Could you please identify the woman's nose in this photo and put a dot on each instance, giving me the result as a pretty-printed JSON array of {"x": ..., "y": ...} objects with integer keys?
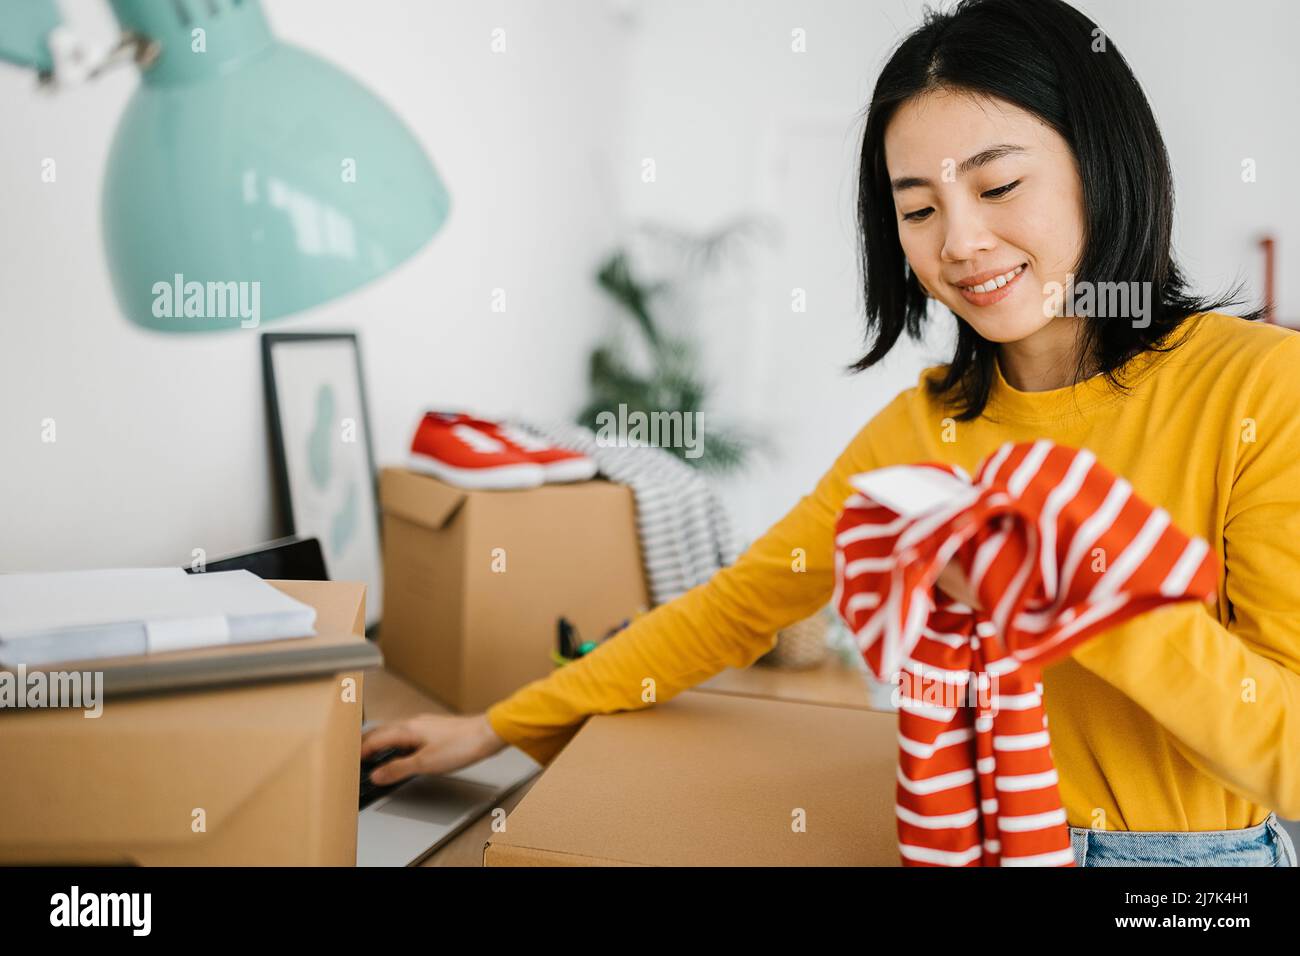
[{"x": 965, "y": 237}]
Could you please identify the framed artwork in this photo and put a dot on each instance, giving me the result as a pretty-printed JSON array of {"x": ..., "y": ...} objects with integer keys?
[{"x": 324, "y": 465}]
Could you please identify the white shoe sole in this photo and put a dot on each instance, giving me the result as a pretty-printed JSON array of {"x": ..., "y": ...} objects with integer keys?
[
  {"x": 500, "y": 478},
  {"x": 572, "y": 469}
]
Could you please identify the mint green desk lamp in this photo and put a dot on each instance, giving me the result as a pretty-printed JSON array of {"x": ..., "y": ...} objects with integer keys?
[{"x": 241, "y": 163}]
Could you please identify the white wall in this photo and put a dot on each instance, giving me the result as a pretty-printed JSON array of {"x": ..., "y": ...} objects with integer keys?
[
  {"x": 161, "y": 441},
  {"x": 738, "y": 123},
  {"x": 1224, "y": 83}
]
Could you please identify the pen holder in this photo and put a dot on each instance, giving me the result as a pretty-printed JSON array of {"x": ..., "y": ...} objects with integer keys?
[{"x": 568, "y": 639}]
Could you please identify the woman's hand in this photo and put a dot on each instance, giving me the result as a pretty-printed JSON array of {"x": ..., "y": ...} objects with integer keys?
[
  {"x": 441, "y": 743},
  {"x": 952, "y": 581}
]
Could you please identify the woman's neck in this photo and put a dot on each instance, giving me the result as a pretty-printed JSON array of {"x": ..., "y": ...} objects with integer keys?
[{"x": 1045, "y": 360}]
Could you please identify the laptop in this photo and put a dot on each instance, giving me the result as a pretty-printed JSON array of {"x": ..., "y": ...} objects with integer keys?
[
  {"x": 408, "y": 823},
  {"x": 293, "y": 558}
]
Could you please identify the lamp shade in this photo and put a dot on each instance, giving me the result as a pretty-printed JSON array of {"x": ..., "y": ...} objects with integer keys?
[{"x": 249, "y": 180}]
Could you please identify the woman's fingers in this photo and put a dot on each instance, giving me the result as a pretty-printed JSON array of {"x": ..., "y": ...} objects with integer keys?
[
  {"x": 395, "y": 770},
  {"x": 436, "y": 743},
  {"x": 399, "y": 734}
]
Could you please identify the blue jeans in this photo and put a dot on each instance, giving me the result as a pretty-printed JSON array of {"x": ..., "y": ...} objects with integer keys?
[{"x": 1265, "y": 844}]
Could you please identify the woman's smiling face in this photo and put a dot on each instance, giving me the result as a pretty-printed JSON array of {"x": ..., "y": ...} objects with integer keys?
[{"x": 987, "y": 196}]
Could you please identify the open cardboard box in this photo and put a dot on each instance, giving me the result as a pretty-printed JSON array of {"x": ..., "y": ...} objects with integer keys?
[
  {"x": 475, "y": 581},
  {"x": 710, "y": 779},
  {"x": 268, "y": 767}
]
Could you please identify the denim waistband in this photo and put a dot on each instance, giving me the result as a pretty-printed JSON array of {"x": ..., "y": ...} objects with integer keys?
[{"x": 1265, "y": 844}]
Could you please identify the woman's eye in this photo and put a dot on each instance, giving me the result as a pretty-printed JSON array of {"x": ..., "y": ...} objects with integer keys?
[
  {"x": 922, "y": 214},
  {"x": 1001, "y": 190}
]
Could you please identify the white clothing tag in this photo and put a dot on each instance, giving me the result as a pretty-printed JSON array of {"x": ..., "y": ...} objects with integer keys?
[{"x": 911, "y": 491}]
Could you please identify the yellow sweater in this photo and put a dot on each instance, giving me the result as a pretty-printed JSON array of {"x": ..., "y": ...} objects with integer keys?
[{"x": 1184, "y": 718}]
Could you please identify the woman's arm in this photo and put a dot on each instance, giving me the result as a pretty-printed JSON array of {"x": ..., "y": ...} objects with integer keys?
[
  {"x": 1230, "y": 696},
  {"x": 729, "y": 621}
]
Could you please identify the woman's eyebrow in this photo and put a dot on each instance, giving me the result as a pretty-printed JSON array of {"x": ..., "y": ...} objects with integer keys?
[{"x": 982, "y": 158}]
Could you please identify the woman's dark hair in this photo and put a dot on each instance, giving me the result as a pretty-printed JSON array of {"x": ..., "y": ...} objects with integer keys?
[{"x": 1048, "y": 59}]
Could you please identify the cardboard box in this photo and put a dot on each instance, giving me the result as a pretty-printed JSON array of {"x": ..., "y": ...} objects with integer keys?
[
  {"x": 474, "y": 581},
  {"x": 272, "y": 765},
  {"x": 710, "y": 779}
]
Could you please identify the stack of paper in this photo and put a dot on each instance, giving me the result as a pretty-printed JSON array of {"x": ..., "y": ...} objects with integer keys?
[{"x": 83, "y": 615}]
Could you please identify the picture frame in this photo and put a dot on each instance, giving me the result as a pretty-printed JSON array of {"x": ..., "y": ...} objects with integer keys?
[{"x": 323, "y": 459}]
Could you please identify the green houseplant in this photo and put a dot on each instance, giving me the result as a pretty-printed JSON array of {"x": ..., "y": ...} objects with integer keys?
[{"x": 658, "y": 373}]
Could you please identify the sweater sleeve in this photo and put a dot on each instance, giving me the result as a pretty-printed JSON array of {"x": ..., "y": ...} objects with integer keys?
[
  {"x": 730, "y": 621},
  {"x": 1230, "y": 696}
]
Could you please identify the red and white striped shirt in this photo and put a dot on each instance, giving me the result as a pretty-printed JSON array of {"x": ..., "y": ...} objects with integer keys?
[{"x": 1057, "y": 549}]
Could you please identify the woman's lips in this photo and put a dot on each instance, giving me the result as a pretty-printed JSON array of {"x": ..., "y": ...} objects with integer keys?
[{"x": 997, "y": 295}]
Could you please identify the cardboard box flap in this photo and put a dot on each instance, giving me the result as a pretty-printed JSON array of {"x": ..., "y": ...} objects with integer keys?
[
  {"x": 340, "y": 605},
  {"x": 419, "y": 498}
]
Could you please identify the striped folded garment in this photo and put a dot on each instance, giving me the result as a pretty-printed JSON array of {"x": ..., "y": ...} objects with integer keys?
[{"x": 1056, "y": 549}]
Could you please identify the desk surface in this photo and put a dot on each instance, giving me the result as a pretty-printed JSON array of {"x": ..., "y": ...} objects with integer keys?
[{"x": 389, "y": 697}]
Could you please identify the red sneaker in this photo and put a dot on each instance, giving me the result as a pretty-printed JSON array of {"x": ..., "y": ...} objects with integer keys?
[
  {"x": 558, "y": 464},
  {"x": 449, "y": 446}
]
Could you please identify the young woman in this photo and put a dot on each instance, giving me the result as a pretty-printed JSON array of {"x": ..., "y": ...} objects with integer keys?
[{"x": 1012, "y": 172}]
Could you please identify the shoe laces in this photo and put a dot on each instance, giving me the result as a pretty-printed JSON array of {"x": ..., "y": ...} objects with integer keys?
[
  {"x": 525, "y": 440},
  {"x": 476, "y": 439}
]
